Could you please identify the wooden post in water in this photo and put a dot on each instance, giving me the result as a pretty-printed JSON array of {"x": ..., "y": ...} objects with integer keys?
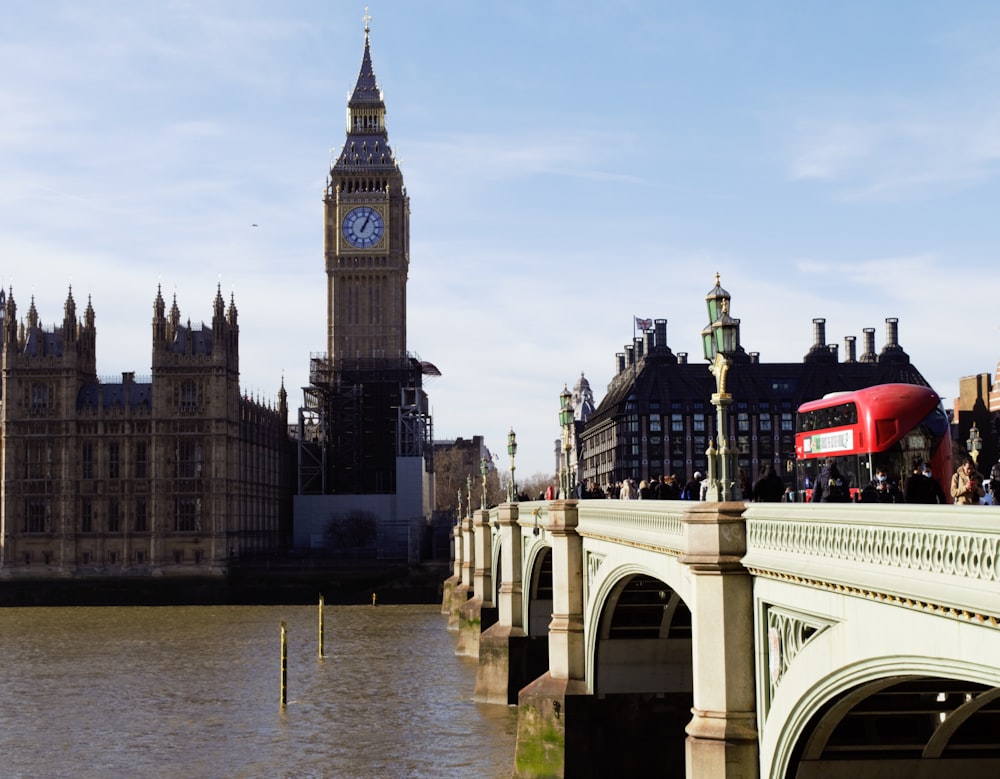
[
  {"x": 284, "y": 664},
  {"x": 321, "y": 626}
]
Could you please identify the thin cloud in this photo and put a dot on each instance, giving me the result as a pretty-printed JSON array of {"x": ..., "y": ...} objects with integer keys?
[
  {"x": 564, "y": 152},
  {"x": 900, "y": 156}
]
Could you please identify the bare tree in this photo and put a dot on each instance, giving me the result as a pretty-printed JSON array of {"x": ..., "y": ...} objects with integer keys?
[
  {"x": 453, "y": 470},
  {"x": 535, "y": 485}
]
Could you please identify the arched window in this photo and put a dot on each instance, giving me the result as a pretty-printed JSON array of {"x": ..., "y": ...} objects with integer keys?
[{"x": 189, "y": 394}]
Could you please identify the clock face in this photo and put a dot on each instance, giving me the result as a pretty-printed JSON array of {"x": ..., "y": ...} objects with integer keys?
[{"x": 363, "y": 227}]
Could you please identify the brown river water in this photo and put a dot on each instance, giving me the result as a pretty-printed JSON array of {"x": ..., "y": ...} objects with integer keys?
[{"x": 196, "y": 692}]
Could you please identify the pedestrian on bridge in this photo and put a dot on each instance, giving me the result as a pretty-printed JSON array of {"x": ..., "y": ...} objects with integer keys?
[
  {"x": 995, "y": 483},
  {"x": 769, "y": 488},
  {"x": 922, "y": 487},
  {"x": 692, "y": 490},
  {"x": 831, "y": 485},
  {"x": 967, "y": 484}
]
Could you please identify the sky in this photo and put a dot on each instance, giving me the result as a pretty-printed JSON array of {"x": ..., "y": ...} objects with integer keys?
[{"x": 570, "y": 166}]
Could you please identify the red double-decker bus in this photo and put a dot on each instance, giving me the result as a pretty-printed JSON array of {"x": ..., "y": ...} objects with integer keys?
[{"x": 887, "y": 427}]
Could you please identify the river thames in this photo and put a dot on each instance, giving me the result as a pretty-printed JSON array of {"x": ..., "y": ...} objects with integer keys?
[{"x": 196, "y": 692}]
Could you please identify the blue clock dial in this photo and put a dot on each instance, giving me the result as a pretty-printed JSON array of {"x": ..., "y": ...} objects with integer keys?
[{"x": 363, "y": 227}]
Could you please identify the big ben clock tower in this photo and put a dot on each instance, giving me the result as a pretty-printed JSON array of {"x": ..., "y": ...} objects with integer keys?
[
  {"x": 367, "y": 233},
  {"x": 365, "y": 429}
]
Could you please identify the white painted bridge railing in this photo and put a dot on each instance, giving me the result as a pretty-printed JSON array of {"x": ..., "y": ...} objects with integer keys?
[{"x": 942, "y": 560}]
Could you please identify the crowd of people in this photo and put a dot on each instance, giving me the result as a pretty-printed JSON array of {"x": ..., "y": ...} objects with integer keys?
[
  {"x": 657, "y": 488},
  {"x": 769, "y": 487},
  {"x": 967, "y": 487}
]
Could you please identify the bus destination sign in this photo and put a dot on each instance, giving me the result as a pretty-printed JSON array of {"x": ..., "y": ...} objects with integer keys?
[{"x": 822, "y": 443}]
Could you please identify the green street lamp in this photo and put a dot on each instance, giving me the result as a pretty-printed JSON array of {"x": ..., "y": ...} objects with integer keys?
[
  {"x": 974, "y": 444},
  {"x": 566, "y": 421},
  {"x": 720, "y": 341},
  {"x": 511, "y": 450}
]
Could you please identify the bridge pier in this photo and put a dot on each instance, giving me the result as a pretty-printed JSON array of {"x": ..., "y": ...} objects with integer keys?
[
  {"x": 722, "y": 735},
  {"x": 553, "y": 721},
  {"x": 463, "y": 588},
  {"x": 456, "y": 577},
  {"x": 479, "y": 611},
  {"x": 506, "y": 653}
]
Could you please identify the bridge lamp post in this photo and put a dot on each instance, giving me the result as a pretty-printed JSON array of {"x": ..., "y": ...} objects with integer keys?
[
  {"x": 720, "y": 340},
  {"x": 483, "y": 469},
  {"x": 511, "y": 450},
  {"x": 566, "y": 420},
  {"x": 974, "y": 444}
]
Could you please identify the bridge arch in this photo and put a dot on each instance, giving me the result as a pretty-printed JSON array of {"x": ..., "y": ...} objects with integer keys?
[
  {"x": 537, "y": 593},
  {"x": 894, "y": 715},
  {"x": 497, "y": 551},
  {"x": 636, "y": 619}
]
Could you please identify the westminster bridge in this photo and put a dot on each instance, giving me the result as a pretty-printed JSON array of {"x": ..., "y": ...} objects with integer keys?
[{"x": 668, "y": 638}]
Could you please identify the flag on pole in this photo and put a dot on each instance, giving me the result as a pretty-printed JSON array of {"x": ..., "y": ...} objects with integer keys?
[{"x": 643, "y": 324}]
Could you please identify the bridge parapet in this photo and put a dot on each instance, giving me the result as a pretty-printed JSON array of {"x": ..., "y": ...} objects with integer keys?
[
  {"x": 652, "y": 525},
  {"x": 944, "y": 561}
]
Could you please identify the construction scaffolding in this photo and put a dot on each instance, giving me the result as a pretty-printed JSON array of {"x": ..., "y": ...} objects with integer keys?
[{"x": 358, "y": 416}]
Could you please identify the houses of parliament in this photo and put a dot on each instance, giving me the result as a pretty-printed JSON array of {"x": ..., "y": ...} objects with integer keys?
[
  {"x": 175, "y": 472},
  {"x": 180, "y": 473}
]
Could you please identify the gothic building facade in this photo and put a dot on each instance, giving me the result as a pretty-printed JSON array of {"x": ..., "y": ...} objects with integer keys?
[
  {"x": 365, "y": 428},
  {"x": 179, "y": 473}
]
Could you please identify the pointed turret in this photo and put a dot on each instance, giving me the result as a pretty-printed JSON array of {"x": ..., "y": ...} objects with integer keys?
[
  {"x": 159, "y": 319},
  {"x": 366, "y": 91},
  {"x": 219, "y": 314},
  {"x": 366, "y": 145},
  {"x": 10, "y": 321},
  {"x": 232, "y": 314},
  {"x": 32, "y": 314},
  {"x": 69, "y": 318},
  {"x": 174, "y": 320},
  {"x": 88, "y": 314}
]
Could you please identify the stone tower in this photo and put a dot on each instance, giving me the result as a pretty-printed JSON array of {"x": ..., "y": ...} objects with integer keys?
[
  {"x": 365, "y": 429},
  {"x": 367, "y": 235}
]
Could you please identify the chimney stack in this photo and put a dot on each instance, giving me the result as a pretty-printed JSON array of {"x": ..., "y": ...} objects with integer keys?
[
  {"x": 660, "y": 328},
  {"x": 868, "y": 355},
  {"x": 819, "y": 333},
  {"x": 892, "y": 332}
]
